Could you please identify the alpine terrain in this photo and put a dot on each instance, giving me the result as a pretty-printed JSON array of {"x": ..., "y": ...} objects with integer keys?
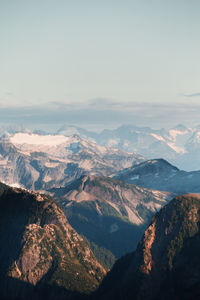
[
  {"x": 41, "y": 256},
  {"x": 39, "y": 162},
  {"x": 111, "y": 214},
  {"x": 166, "y": 263},
  {"x": 179, "y": 145},
  {"x": 161, "y": 175}
]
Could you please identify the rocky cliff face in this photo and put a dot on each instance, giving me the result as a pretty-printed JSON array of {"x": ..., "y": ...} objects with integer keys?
[
  {"x": 134, "y": 203},
  {"x": 39, "y": 162},
  {"x": 109, "y": 212},
  {"x": 39, "y": 247},
  {"x": 166, "y": 263}
]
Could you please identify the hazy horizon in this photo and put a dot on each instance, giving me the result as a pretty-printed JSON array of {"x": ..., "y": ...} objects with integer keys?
[
  {"x": 100, "y": 114},
  {"x": 99, "y": 64}
]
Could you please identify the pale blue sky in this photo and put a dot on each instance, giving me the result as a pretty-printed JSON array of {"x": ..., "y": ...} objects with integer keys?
[{"x": 78, "y": 50}]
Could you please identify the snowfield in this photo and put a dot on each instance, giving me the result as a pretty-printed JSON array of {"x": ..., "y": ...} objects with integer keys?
[{"x": 36, "y": 139}]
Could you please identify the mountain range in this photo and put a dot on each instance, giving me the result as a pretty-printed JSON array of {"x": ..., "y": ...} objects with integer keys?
[
  {"x": 94, "y": 205},
  {"x": 179, "y": 145},
  {"x": 38, "y": 162},
  {"x": 160, "y": 175},
  {"x": 111, "y": 214},
  {"x": 42, "y": 256}
]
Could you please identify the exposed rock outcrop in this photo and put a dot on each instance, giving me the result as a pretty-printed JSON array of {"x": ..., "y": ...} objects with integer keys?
[
  {"x": 108, "y": 212},
  {"x": 39, "y": 247},
  {"x": 166, "y": 263}
]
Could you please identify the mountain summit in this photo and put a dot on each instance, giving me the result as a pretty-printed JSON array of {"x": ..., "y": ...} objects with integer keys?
[
  {"x": 161, "y": 175},
  {"x": 40, "y": 252}
]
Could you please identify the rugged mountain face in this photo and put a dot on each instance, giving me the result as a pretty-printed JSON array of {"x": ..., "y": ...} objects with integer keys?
[
  {"x": 40, "y": 252},
  {"x": 180, "y": 145},
  {"x": 108, "y": 212},
  {"x": 40, "y": 161},
  {"x": 15, "y": 167},
  {"x": 160, "y": 175},
  {"x": 166, "y": 263}
]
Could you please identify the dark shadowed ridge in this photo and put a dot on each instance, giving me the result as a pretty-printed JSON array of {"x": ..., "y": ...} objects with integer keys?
[
  {"x": 41, "y": 256},
  {"x": 159, "y": 174},
  {"x": 166, "y": 263}
]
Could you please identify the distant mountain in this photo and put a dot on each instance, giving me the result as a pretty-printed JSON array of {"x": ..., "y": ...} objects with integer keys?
[
  {"x": 67, "y": 130},
  {"x": 158, "y": 174},
  {"x": 9, "y": 130},
  {"x": 109, "y": 213},
  {"x": 38, "y": 161},
  {"x": 179, "y": 145},
  {"x": 41, "y": 256},
  {"x": 166, "y": 263}
]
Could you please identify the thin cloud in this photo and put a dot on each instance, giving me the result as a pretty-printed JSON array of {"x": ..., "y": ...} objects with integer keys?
[
  {"x": 102, "y": 102},
  {"x": 192, "y": 95},
  {"x": 103, "y": 114}
]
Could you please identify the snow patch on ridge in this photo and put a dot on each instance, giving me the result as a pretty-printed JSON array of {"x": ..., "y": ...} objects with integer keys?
[
  {"x": 36, "y": 139},
  {"x": 173, "y": 133},
  {"x": 158, "y": 137},
  {"x": 176, "y": 149},
  {"x": 113, "y": 142}
]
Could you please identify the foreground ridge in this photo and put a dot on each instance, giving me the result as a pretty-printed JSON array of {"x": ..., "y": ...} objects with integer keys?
[
  {"x": 166, "y": 263},
  {"x": 40, "y": 252}
]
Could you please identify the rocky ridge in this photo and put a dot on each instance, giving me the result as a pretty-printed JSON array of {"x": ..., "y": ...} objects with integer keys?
[
  {"x": 161, "y": 175},
  {"x": 40, "y": 248},
  {"x": 109, "y": 212},
  {"x": 39, "y": 162},
  {"x": 179, "y": 145},
  {"x": 166, "y": 262}
]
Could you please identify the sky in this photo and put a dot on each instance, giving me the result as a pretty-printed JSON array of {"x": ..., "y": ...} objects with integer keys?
[{"x": 99, "y": 63}]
